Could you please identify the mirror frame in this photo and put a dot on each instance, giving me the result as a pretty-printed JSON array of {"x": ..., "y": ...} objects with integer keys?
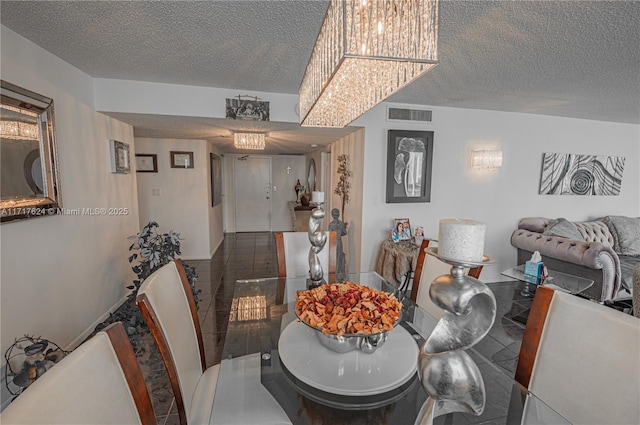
[
  {"x": 50, "y": 201},
  {"x": 312, "y": 167}
]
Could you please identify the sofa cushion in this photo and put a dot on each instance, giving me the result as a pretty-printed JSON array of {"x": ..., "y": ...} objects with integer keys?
[
  {"x": 626, "y": 234},
  {"x": 563, "y": 228},
  {"x": 595, "y": 231}
]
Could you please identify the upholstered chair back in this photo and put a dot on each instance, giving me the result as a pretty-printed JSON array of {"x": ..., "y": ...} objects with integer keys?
[
  {"x": 164, "y": 296},
  {"x": 293, "y": 254},
  {"x": 100, "y": 382},
  {"x": 581, "y": 359}
]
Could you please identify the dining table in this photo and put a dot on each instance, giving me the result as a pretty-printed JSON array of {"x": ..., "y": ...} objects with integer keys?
[{"x": 276, "y": 370}]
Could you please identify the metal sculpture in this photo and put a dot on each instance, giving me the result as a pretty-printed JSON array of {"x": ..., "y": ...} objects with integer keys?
[
  {"x": 448, "y": 374},
  {"x": 318, "y": 240}
]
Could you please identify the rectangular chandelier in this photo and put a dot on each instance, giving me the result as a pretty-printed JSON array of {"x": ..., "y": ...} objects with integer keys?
[
  {"x": 366, "y": 51},
  {"x": 254, "y": 141}
]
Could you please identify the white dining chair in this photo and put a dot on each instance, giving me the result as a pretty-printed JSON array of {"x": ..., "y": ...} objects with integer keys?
[
  {"x": 168, "y": 307},
  {"x": 292, "y": 249},
  {"x": 428, "y": 268},
  {"x": 581, "y": 359},
  {"x": 100, "y": 382}
]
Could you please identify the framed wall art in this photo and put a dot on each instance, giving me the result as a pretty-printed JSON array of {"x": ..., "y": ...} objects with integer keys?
[
  {"x": 216, "y": 179},
  {"x": 409, "y": 158},
  {"x": 119, "y": 157},
  {"x": 146, "y": 163},
  {"x": 247, "y": 108},
  {"x": 575, "y": 174},
  {"x": 181, "y": 159}
]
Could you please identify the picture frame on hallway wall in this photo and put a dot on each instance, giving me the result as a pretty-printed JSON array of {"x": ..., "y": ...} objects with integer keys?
[
  {"x": 180, "y": 159},
  {"x": 119, "y": 157},
  {"x": 216, "y": 179},
  {"x": 409, "y": 166},
  {"x": 146, "y": 163}
]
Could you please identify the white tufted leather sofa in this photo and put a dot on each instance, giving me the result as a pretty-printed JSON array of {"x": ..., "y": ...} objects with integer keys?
[{"x": 593, "y": 258}]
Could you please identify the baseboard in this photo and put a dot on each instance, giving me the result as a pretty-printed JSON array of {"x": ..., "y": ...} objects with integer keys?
[{"x": 92, "y": 327}]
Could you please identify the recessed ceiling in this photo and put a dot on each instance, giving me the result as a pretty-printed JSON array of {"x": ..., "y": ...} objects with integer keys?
[{"x": 576, "y": 59}]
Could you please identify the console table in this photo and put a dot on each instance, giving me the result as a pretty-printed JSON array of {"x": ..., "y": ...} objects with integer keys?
[{"x": 300, "y": 216}]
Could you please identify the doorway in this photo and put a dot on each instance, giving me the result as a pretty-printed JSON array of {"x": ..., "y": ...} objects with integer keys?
[{"x": 252, "y": 193}]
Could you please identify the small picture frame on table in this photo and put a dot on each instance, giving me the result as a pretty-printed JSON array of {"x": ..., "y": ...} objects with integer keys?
[
  {"x": 146, "y": 163},
  {"x": 119, "y": 157},
  {"x": 401, "y": 230},
  {"x": 180, "y": 159}
]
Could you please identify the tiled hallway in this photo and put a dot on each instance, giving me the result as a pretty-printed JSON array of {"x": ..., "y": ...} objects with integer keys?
[{"x": 240, "y": 256}]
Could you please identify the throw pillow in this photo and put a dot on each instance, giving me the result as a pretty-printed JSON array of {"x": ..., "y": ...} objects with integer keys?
[
  {"x": 626, "y": 234},
  {"x": 563, "y": 228}
]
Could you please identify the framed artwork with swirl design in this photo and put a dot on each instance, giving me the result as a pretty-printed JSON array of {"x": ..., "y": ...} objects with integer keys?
[
  {"x": 577, "y": 174},
  {"x": 409, "y": 157}
]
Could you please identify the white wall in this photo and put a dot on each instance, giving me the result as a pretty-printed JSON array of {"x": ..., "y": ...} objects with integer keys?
[
  {"x": 502, "y": 198},
  {"x": 184, "y": 203},
  {"x": 60, "y": 275}
]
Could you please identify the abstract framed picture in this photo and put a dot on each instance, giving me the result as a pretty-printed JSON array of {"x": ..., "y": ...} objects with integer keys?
[
  {"x": 409, "y": 158},
  {"x": 576, "y": 174},
  {"x": 119, "y": 157}
]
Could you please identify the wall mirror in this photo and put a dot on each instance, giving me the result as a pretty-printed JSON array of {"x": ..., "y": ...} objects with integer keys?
[
  {"x": 29, "y": 176},
  {"x": 311, "y": 179}
]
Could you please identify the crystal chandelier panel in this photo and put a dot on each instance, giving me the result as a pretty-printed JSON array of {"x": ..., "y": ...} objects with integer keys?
[
  {"x": 18, "y": 128},
  {"x": 365, "y": 52},
  {"x": 253, "y": 141}
]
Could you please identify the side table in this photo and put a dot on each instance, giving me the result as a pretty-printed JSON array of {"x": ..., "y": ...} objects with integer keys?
[
  {"x": 557, "y": 280},
  {"x": 396, "y": 261}
]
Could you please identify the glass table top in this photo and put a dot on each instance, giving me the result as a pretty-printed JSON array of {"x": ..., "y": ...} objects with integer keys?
[
  {"x": 558, "y": 280},
  {"x": 263, "y": 308}
]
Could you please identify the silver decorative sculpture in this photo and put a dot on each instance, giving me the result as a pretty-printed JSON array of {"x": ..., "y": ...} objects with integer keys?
[
  {"x": 448, "y": 374},
  {"x": 318, "y": 240}
]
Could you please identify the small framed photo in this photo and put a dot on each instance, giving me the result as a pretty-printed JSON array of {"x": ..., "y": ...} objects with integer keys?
[
  {"x": 146, "y": 163},
  {"x": 119, "y": 157},
  {"x": 401, "y": 230},
  {"x": 181, "y": 159}
]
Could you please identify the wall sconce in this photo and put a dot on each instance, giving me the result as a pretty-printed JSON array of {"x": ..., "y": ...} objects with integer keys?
[{"x": 486, "y": 159}]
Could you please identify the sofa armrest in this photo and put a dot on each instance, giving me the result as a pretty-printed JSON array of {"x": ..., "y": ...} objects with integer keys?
[{"x": 593, "y": 255}]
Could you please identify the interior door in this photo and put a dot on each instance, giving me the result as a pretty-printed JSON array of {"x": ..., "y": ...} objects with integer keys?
[{"x": 252, "y": 190}]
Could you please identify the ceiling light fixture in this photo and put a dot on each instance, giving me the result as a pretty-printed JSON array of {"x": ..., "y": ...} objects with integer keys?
[
  {"x": 365, "y": 52},
  {"x": 254, "y": 141},
  {"x": 14, "y": 127}
]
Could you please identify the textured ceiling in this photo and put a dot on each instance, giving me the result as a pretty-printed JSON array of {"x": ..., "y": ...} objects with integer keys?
[{"x": 566, "y": 58}]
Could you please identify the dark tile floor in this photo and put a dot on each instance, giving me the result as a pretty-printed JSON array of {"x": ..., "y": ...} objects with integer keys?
[
  {"x": 240, "y": 256},
  {"x": 253, "y": 255}
]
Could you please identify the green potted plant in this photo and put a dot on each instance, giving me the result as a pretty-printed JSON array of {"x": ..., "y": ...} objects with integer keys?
[{"x": 152, "y": 250}]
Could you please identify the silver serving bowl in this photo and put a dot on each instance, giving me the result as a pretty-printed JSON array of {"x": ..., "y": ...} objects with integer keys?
[{"x": 367, "y": 343}]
